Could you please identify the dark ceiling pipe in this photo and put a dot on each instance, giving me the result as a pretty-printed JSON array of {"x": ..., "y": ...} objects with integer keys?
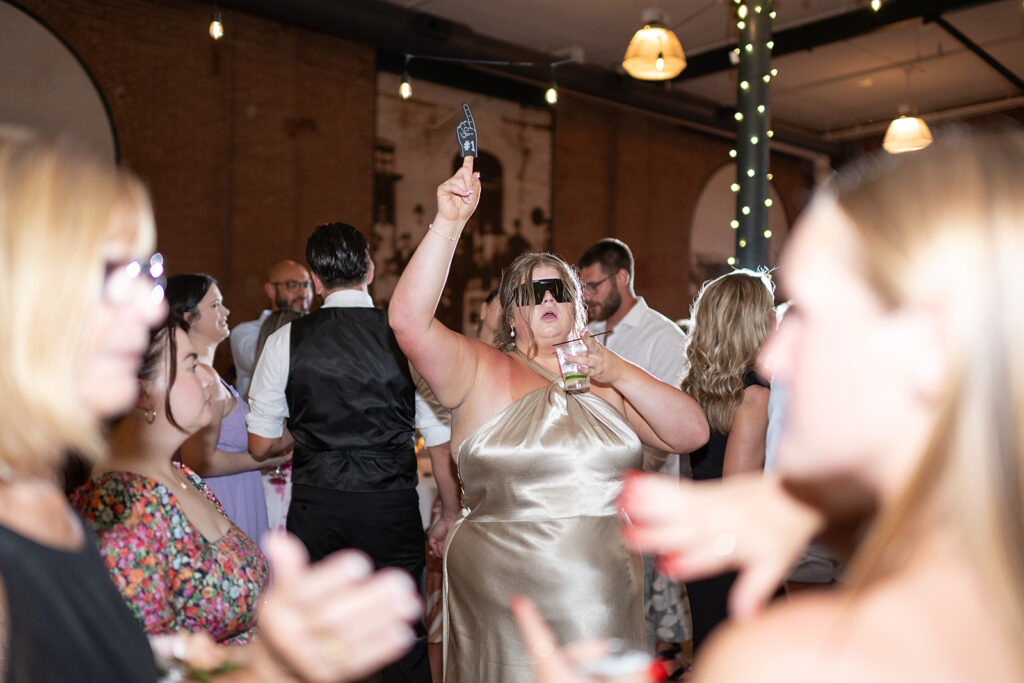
[
  {"x": 399, "y": 31},
  {"x": 980, "y": 51},
  {"x": 831, "y": 30}
]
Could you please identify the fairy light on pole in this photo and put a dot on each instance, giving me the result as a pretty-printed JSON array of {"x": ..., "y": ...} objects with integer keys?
[{"x": 754, "y": 22}]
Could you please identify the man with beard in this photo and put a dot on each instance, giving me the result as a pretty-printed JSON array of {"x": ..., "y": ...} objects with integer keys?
[
  {"x": 645, "y": 337},
  {"x": 289, "y": 288}
]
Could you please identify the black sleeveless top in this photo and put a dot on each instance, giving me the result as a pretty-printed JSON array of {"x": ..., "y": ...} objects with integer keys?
[
  {"x": 708, "y": 460},
  {"x": 65, "y": 619},
  {"x": 351, "y": 403}
]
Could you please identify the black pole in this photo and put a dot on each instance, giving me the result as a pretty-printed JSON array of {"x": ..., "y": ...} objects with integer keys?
[{"x": 753, "y": 18}]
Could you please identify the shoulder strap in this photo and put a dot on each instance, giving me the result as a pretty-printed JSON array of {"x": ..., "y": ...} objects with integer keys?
[{"x": 538, "y": 368}]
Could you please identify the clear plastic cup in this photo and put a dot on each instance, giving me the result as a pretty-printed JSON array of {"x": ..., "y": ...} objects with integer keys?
[{"x": 573, "y": 380}]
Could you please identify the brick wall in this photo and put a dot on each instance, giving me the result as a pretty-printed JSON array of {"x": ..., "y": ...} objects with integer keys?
[
  {"x": 620, "y": 173},
  {"x": 249, "y": 142},
  {"x": 246, "y": 143}
]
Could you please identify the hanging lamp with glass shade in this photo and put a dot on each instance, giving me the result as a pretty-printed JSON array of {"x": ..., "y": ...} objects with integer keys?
[
  {"x": 654, "y": 53},
  {"x": 906, "y": 134}
]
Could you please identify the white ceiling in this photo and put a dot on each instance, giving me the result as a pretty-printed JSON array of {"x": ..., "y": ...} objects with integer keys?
[{"x": 836, "y": 91}]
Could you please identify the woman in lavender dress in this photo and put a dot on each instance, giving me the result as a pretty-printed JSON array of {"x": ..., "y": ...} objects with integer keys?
[{"x": 220, "y": 453}]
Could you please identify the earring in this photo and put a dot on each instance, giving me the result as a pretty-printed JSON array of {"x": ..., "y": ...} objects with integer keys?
[
  {"x": 150, "y": 416},
  {"x": 512, "y": 331}
]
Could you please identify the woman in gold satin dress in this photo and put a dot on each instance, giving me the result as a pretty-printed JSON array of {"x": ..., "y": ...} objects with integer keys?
[{"x": 540, "y": 468}]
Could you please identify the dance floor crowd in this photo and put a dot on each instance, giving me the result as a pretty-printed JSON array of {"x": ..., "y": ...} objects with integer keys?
[{"x": 579, "y": 489}]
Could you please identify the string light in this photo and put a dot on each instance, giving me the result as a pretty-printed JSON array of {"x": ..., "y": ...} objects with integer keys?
[
  {"x": 405, "y": 89},
  {"x": 751, "y": 133},
  {"x": 768, "y": 234},
  {"x": 551, "y": 94},
  {"x": 876, "y": 5},
  {"x": 216, "y": 27}
]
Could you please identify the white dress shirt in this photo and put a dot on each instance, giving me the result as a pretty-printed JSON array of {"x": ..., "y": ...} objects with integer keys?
[
  {"x": 268, "y": 406},
  {"x": 243, "y": 349}
]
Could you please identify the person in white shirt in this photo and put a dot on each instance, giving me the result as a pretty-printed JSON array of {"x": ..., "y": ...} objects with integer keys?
[
  {"x": 647, "y": 338},
  {"x": 288, "y": 287}
]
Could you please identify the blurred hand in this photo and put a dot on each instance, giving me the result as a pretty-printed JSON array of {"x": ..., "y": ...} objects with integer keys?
[
  {"x": 458, "y": 196},
  {"x": 746, "y": 523},
  {"x": 336, "y": 620},
  {"x": 554, "y": 664}
]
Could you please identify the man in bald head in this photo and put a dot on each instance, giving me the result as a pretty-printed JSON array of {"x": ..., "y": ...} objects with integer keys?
[{"x": 288, "y": 287}]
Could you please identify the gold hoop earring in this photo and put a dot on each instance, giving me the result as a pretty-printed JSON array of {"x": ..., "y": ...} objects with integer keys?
[{"x": 149, "y": 415}]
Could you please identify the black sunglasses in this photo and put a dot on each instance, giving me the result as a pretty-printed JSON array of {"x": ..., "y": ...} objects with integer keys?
[{"x": 559, "y": 290}]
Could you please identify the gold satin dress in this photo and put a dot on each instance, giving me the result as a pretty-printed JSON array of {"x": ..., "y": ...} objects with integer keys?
[{"x": 539, "y": 519}]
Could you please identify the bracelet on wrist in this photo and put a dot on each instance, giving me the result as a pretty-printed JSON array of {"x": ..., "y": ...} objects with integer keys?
[{"x": 440, "y": 234}]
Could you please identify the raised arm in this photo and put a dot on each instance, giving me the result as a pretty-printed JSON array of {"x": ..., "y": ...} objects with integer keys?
[{"x": 446, "y": 359}]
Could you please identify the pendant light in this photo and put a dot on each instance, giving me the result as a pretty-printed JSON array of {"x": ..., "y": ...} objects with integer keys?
[
  {"x": 654, "y": 53},
  {"x": 906, "y": 134}
]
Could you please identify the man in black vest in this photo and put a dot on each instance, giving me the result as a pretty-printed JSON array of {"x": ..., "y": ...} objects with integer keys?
[{"x": 342, "y": 385}]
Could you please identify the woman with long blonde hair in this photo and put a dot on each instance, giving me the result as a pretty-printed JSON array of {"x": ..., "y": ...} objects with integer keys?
[
  {"x": 732, "y": 316},
  {"x": 905, "y": 424}
]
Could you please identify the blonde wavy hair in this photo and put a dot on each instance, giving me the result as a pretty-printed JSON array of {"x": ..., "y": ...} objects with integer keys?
[
  {"x": 518, "y": 274},
  {"x": 57, "y": 217},
  {"x": 943, "y": 229},
  {"x": 732, "y": 316}
]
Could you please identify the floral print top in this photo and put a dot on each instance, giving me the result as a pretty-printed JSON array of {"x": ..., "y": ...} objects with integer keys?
[{"x": 170, "y": 575}]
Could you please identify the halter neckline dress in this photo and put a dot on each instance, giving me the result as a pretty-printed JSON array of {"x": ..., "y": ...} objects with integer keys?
[{"x": 539, "y": 519}]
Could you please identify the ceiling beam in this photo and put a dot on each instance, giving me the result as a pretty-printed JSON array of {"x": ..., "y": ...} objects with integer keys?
[
  {"x": 831, "y": 30},
  {"x": 981, "y": 52},
  {"x": 399, "y": 31}
]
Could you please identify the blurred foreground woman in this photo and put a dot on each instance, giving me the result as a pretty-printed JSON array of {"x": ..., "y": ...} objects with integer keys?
[
  {"x": 906, "y": 412},
  {"x": 75, "y": 235}
]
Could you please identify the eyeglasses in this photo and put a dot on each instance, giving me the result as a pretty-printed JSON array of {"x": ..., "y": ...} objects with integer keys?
[
  {"x": 559, "y": 291},
  {"x": 294, "y": 285},
  {"x": 120, "y": 278},
  {"x": 592, "y": 286}
]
